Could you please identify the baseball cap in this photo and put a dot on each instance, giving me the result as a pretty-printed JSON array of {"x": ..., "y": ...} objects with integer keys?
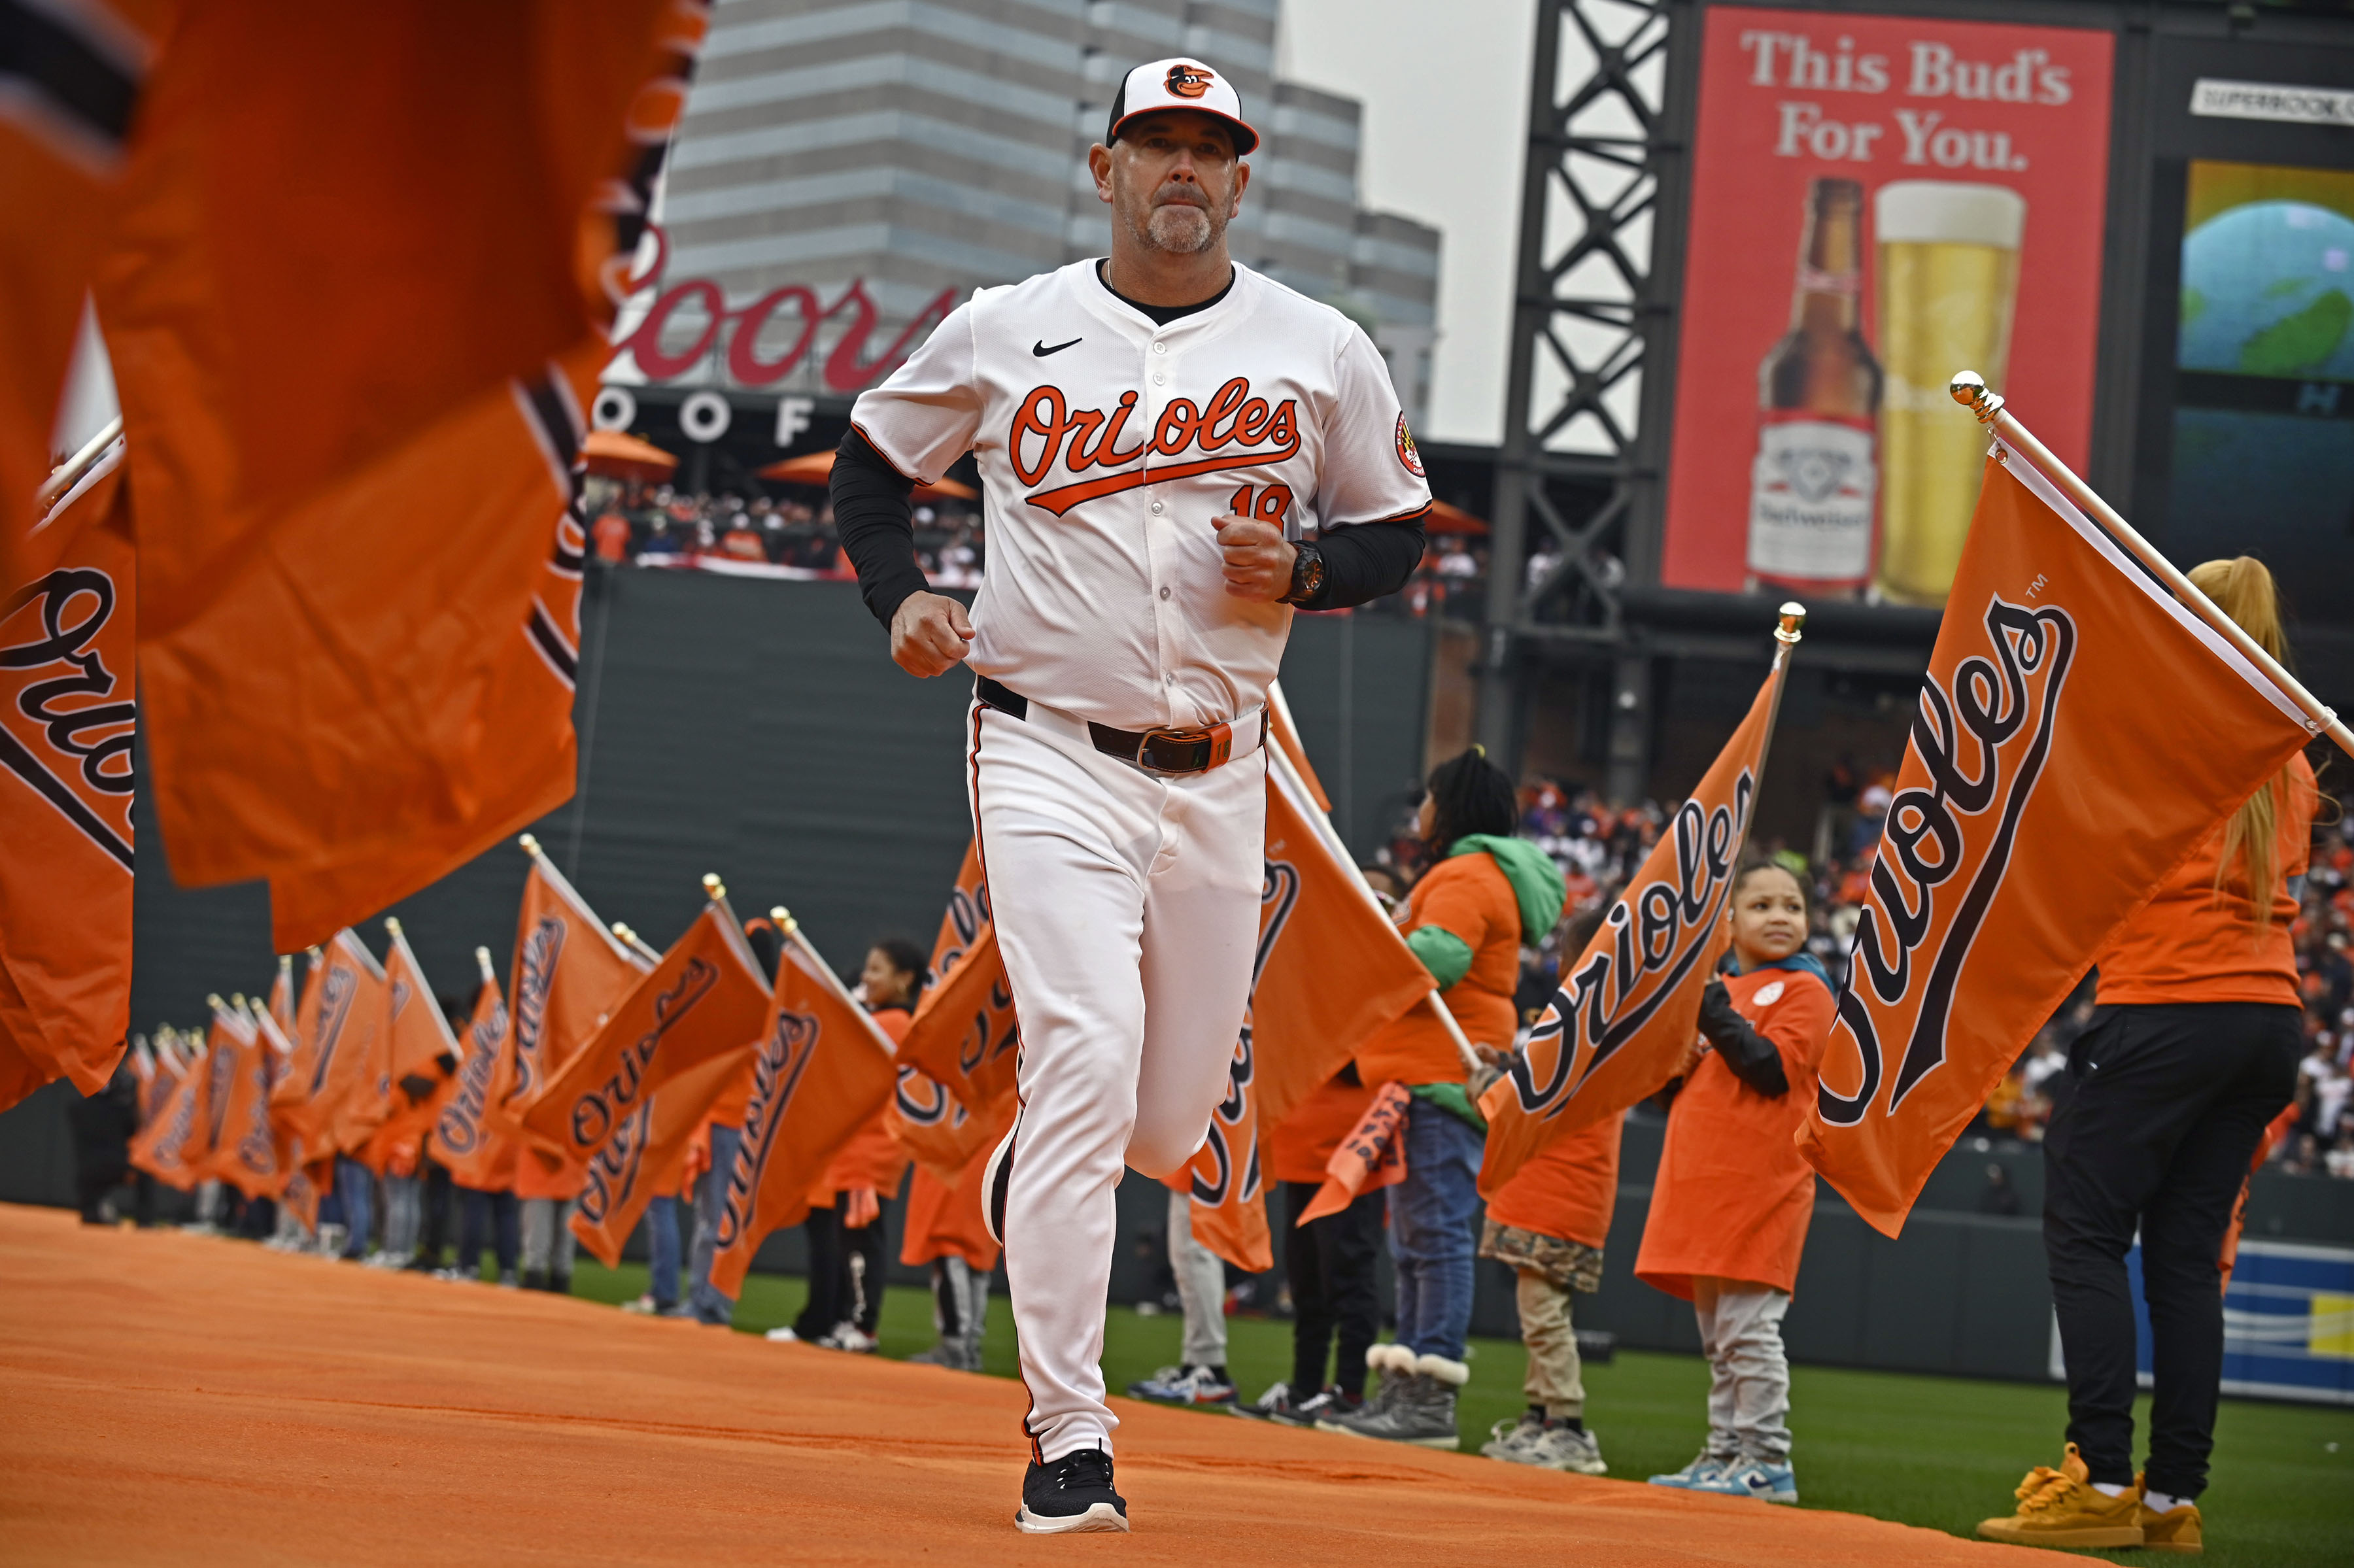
[{"x": 1179, "y": 83}]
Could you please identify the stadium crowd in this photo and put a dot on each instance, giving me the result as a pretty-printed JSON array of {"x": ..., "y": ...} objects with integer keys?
[{"x": 792, "y": 535}]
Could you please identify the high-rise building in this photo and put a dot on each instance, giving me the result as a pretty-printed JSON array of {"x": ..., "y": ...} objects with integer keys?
[{"x": 847, "y": 173}]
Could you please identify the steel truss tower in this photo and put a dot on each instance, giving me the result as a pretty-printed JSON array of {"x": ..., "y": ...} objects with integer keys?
[{"x": 1576, "y": 508}]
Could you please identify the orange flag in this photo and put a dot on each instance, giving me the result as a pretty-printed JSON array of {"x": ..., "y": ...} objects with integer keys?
[
  {"x": 164, "y": 1146},
  {"x": 244, "y": 1153},
  {"x": 417, "y": 1036},
  {"x": 164, "y": 1074},
  {"x": 68, "y": 707},
  {"x": 964, "y": 1036},
  {"x": 462, "y": 1140},
  {"x": 1371, "y": 1157},
  {"x": 1628, "y": 1009},
  {"x": 707, "y": 997},
  {"x": 1330, "y": 970},
  {"x": 824, "y": 1069},
  {"x": 937, "y": 1131},
  {"x": 302, "y": 358},
  {"x": 290, "y": 1093},
  {"x": 648, "y": 1152},
  {"x": 341, "y": 1106},
  {"x": 2079, "y": 735},
  {"x": 571, "y": 972},
  {"x": 76, "y": 74}
]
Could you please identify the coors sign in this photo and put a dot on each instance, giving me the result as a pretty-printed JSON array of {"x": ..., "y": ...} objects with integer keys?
[{"x": 1816, "y": 481}]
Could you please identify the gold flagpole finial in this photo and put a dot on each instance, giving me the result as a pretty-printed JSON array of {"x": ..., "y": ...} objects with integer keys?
[
  {"x": 392, "y": 924},
  {"x": 712, "y": 888},
  {"x": 316, "y": 955},
  {"x": 1794, "y": 616},
  {"x": 237, "y": 998},
  {"x": 1969, "y": 389},
  {"x": 285, "y": 962},
  {"x": 786, "y": 923},
  {"x": 216, "y": 1003},
  {"x": 482, "y": 959},
  {"x": 623, "y": 932},
  {"x": 530, "y": 845}
]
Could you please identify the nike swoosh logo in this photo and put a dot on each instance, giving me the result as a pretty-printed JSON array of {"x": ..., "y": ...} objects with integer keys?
[{"x": 1042, "y": 351}]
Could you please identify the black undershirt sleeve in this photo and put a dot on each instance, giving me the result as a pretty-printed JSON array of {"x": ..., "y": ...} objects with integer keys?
[
  {"x": 876, "y": 524},
  {"x": 1366, "y": 561}
]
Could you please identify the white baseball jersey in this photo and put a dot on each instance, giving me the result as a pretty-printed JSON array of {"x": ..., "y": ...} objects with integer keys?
[{"x": 1108, "y": 446}]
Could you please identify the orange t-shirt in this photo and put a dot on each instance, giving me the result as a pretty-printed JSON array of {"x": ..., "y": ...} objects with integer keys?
[
  {"x": 1569, "y": 1190},
  {"x": 1733, "y": 1196},
  {"x": 1300, "y": 1148},
  {"x": 2189, "y": 944},
  {"x": 1470, "y": 896}
]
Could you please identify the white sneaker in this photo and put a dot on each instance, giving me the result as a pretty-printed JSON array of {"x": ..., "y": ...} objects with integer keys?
[
  {"x": 1706, "y": 1470},
  {"x": 1515, "y": 1441},
  {"x": 781, "y": 1337},
  {"x": 849, "y": 1337},
  {"x": 1560, "y": 1447}
]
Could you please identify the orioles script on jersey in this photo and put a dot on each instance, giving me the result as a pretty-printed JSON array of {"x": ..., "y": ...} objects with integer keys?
[{"x": 1046, "y": 426}]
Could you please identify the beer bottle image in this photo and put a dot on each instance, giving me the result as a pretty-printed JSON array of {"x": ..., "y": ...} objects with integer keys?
[
  {"x": 1947, "y": 282},
  {"x": 1814, "y": 485}
]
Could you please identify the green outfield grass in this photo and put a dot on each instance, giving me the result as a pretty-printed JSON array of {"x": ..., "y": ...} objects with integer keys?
[{"x": 1939, "y": 1452}]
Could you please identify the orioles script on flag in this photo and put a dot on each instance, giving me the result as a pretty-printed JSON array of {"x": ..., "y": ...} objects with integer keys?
[
  {"x": 2079, "y": 735},
  {"x": 68, "y": 706},
  {"x": 462, "y": 1139},
  {"x": 569, "y": 974},
  {"x": 824, "y": 1069},
  {"x": 647, "y": 1153},
  {"x": 964, "y": 1036},
  {"x": 1628, "y": 1007},
  {"x": 705, "y": 997}
]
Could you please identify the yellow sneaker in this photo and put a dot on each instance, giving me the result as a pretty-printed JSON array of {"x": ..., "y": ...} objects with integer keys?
[
  {"x": 2175, "y": 1529},
  {"x": 2061, "y": 1508}
]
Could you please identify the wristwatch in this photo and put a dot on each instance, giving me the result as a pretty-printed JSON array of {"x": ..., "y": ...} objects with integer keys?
[{"x": 1306, "y": 574}]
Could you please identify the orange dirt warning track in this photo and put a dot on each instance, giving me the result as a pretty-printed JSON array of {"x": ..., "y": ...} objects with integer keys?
[{"x": 174, "y": 1398}]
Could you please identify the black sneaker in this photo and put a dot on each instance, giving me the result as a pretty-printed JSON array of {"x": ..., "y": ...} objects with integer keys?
[
  {"x": 1325, "y": 1404},
  {"x": 1073, "y": 1493},
  {"x": 996, "y": 1180}
]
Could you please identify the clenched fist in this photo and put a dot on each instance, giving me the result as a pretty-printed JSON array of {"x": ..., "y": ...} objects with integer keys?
[
  {"x": 1259, "y": 560},
  {"x": 928, "y": 633}
]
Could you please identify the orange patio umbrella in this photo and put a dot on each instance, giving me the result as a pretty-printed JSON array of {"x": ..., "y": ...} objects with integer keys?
[
  {"x": 617, "y": 456},
  {"x": 816, "y": 468}
]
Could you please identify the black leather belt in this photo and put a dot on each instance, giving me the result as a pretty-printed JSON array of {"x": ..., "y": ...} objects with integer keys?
[{"x": 1169, "y": 750}]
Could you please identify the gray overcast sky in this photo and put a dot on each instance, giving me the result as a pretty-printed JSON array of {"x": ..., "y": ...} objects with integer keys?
[{"x": 1445, "y": 91}]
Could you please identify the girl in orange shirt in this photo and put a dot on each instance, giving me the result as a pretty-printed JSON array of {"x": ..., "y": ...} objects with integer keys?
[
  {"x": 1730, "y": 1206},
  {"x": 2193, "y": 1049}
]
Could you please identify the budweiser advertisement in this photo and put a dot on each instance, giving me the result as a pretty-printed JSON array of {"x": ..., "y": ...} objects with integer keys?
[
  {"x": 1876, "y": 201},
  {"x": 2071, "y": 702}
]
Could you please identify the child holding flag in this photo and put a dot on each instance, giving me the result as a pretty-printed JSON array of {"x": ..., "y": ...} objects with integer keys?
[
  {"x": 1731, "y": 1203},
  {"x": 1489, "y": 895}
]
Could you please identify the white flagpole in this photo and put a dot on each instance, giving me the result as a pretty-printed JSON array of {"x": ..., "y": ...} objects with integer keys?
[{"x": 1969, "y": 389}]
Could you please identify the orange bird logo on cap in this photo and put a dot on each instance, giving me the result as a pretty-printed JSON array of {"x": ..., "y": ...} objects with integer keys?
[{"x": 1187, "y": 81}]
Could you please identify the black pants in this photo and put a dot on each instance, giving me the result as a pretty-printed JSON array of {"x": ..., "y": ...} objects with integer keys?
[
  {"x": 492, "y": 1220},
  {"x": 832, "y": 1298},
  {"x": 434, "y": 1238},
  {"x": 1331, "y": 1263},
  {"x": 2155, "y": 1124}
]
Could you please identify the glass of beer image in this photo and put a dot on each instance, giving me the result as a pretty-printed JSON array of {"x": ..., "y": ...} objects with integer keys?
[{"x": 1948, "y": 280}]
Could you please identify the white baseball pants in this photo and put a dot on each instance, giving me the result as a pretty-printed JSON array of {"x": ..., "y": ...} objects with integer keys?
[{"x": 1127, "y": 909}]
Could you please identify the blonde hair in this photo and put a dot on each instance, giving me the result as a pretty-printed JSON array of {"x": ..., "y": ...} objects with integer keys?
[{"x": 2242, "y": 589}]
